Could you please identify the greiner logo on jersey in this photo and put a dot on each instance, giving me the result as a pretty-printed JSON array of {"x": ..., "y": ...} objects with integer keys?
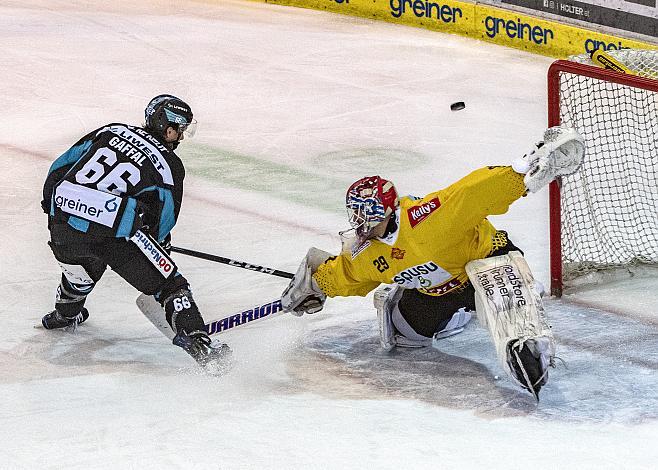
[
  {"x": 112, "y": 205},
  {"x": 426, "y": 9},
  {"x": 517, "y": 30},
  {"x": 154, "y": 253},
  {"x": 86, "y": 203},
  {"x": 422, "y": 276},
  {"x": 421, "y": 212}
]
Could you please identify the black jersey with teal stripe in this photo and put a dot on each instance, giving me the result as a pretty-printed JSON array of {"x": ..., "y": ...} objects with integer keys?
[{"x": 113, "y": 181}]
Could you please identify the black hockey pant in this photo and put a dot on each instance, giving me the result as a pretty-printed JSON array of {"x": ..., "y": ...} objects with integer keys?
[
  {"x": 427, "y": 314},
  {"x": 83, "y": 262}
]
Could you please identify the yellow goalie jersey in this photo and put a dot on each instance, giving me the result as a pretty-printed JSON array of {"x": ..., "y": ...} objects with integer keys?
[{"x": 436, "y": 236}]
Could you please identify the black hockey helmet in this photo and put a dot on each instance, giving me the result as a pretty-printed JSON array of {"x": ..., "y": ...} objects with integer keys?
[{"x": 169, "y": 111}]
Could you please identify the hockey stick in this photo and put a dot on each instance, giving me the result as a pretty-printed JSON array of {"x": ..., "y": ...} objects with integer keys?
[
  {"x": 602, "y": 59},
  {"x": 231, "y": 262},
  {"x": 154, "y": 312}
]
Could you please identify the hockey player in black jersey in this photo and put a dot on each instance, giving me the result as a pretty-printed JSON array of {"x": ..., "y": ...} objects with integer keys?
[{"x": 112, "y": 200}]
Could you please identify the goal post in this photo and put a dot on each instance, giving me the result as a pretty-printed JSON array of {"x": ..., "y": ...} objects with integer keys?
[{"x": 605, "y": 216}]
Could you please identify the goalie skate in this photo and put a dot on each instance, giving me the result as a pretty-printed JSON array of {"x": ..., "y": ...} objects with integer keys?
[{"x": 529, "y": 363}]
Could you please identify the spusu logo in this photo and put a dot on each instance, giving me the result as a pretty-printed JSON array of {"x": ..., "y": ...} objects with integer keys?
[
  {"x": 421, "y": 212},
  {"x": 422, "y": 276}
]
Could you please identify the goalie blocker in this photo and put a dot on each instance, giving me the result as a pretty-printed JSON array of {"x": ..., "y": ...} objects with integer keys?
[{"x": 509, "y": 304}]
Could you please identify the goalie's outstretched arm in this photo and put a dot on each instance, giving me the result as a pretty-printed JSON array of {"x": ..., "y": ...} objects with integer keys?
[
  {"x": 491, "y": 190},
  {"x": 321, "y": 275}
]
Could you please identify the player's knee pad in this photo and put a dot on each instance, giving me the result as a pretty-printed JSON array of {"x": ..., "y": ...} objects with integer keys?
[
  {"x": 409, "y": 338},
  {"x": 170, "y": 286},
  {"x": 76, "y": 281},
  {"x": 73, "y": 289}
]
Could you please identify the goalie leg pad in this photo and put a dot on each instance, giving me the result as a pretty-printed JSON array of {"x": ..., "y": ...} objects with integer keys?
[
  {"x": 393, "y": 328},
  {"x": 509, "y": 305},
  {"x": 385, "y": 300}
]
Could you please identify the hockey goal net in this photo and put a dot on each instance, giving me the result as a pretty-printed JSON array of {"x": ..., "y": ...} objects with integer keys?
[{"x": 606, "y": 215}]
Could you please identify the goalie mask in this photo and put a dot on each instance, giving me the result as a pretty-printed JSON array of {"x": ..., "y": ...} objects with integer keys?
[{"x": 369, "y": 201}]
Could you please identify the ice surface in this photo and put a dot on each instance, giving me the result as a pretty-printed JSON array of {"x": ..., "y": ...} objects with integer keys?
[{"x": 293, "y": 105}]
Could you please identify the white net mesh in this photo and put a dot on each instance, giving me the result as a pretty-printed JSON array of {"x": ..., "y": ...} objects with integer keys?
[
  {"x": 610, "y": 206},
  {"x": 643, "y": 62}
]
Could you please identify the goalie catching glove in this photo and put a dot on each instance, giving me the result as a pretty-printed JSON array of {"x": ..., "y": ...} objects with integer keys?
[
  {"x": 303, "y": 294},
  {"x": 560, "y": 154}
]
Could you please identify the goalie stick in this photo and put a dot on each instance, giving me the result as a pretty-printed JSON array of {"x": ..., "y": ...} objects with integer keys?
[{"x": 154, "y": 312}]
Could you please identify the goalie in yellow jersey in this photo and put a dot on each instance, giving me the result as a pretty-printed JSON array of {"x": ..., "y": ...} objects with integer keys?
[{"x": 420, "y": 248}]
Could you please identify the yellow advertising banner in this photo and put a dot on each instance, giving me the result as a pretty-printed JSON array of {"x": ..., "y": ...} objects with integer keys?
[{"x": 478, "y": 21}]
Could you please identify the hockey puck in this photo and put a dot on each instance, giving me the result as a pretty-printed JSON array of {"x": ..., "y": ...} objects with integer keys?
[{"x": 459, "y": 105}]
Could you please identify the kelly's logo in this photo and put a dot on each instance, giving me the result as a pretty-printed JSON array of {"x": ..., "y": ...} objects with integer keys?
[{"x": 421, "y": 212}]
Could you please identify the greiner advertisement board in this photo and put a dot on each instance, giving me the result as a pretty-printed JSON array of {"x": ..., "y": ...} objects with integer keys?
[
  {"x": 487, "y": 20},
  {"x": 637, "y": 16}
]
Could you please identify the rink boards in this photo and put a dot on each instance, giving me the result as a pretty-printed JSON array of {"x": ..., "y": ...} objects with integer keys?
[{"x": 483, "y": 22}]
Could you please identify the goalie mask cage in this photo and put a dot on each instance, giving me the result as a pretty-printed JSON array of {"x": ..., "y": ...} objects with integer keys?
[{"x": 606, "y": 214}]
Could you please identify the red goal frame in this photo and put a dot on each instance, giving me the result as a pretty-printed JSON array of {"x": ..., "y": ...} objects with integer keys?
[{"x": 554, "y": 119}]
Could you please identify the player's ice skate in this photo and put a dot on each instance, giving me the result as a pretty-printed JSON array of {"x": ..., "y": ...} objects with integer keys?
[
  {"x": 55, "y": 320},
  {"x": 213, "y": 356}
]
